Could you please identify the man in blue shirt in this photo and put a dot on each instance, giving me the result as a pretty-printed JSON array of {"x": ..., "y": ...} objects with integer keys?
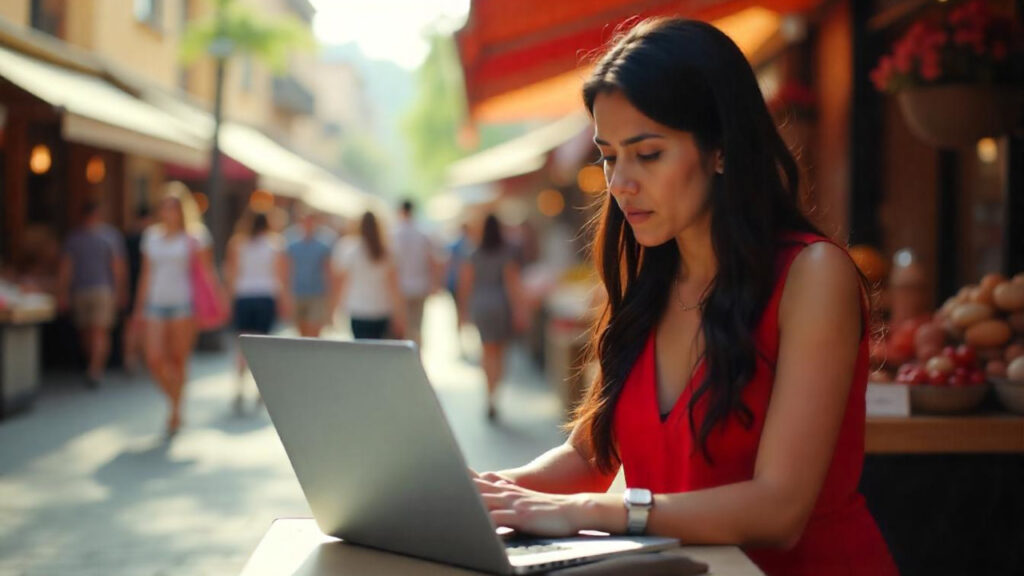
[
  {"x": 313, "y": 283},
  {"x": 92, "y": 283}
]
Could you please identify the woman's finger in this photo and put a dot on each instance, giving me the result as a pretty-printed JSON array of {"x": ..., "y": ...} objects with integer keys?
[
  {"x": 487, "y": 487},
  {"x": 506, "y": 518},
  {"x": 499, "y": 501}
]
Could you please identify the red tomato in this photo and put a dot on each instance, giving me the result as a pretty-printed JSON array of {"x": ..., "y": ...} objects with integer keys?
[
  {"x": 965, "y": 356},
  {"x": 977, "y": 378},
  {"x": 949, "y": 352},
  {"x": 958, "y": 380},
  {"x": 937, "y": 377},
  {"x": 917, "y": 376}
]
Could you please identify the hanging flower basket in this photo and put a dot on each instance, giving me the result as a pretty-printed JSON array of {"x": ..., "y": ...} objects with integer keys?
[
  {"x": 958, "y": 115},
  {"x": 958, "y": 73}
]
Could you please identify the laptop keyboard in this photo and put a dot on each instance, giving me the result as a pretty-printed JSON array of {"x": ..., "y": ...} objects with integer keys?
[{"x": 519, "y": 550}]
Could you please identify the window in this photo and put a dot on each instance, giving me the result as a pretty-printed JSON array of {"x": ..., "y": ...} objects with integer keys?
[
  {"x": 150, "y": 12},
  {"x": 49, "y": 16}
]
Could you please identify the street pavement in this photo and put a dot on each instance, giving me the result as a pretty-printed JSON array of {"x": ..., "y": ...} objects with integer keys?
[{"x": 88, "y": 486}]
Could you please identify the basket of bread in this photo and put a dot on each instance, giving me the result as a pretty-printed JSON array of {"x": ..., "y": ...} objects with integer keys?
[{"x": 974, "y": 339}]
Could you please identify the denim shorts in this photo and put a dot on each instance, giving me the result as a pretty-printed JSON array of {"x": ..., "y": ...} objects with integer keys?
[{"x": 168, "y": 312}]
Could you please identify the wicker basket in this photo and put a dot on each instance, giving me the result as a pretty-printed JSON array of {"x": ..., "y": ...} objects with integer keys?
[{"x": 958, "y": 115}]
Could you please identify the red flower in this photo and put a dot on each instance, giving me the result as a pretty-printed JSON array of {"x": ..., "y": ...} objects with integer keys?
[
  {"x": 971, "y": 43},
  {"x": 881, "y": 74}
]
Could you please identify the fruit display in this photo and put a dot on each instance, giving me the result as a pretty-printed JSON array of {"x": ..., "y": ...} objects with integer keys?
[
  {"x": 1010, "y": 390},
  {"x": 976, "y": 337}
]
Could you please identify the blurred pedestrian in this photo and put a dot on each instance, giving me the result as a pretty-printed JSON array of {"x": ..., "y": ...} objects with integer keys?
[
  {"x": 490, "y": 291},
  {"x": 256, "y": 274},
  {"x": 92, "y": 281},
  {"x": 310, "y": 275},
  {"x": 418, "y": 269},
  {"x": 170, "y": 249},
  {"x": 368, "y": 283},
  {"x": 458, "y": 251},
  {"x": 132, "y": 339}
]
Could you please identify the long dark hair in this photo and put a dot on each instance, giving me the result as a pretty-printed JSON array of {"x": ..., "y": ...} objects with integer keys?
[
  {"x": 491, "y": 241},
  {"x": 370, "y": 232},
  {"x": 259, "y": 224},
  {"x": 689, "y": 76}
]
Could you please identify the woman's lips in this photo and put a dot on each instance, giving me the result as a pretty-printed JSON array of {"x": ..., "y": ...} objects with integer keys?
[{"x": 638, "y": 216}]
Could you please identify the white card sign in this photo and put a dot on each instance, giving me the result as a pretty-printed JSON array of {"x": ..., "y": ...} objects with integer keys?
[{"x": 886, "y": 399}]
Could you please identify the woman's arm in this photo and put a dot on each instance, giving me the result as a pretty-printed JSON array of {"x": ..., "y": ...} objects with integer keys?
[
  {"x": 397, "y": 301},
  {"x": 465, "y": 290},
  {"x": 142, "y": 289},
  {"x": 820, "y": 327},
  {"x": 561, "y": 470},
  {"x": 514, "y": 289},
  {"x": 231, "y": 267},
  {"x": 282, "y": 265}
]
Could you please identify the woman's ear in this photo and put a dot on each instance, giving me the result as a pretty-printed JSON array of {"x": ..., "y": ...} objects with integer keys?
[{"x": 719, "y": 162}]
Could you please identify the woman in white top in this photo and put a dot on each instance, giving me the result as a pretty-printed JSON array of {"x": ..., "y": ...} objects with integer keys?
[
  {"x": 256, "y": 274},
  {"x": 369, "y": 284},
  {"x": 164, "y": 297}
]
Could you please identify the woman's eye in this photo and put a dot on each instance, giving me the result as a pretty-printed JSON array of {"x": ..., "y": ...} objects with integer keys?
[{"x": 649, "y": 157}]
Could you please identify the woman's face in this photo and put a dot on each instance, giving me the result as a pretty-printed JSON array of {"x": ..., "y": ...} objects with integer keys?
[
  {"x": 170, "y": 213},
  {"x": 655, "y": 173}
]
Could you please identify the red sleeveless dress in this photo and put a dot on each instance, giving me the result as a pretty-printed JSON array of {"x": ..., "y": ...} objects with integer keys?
[{"x": 841, "y": 536}]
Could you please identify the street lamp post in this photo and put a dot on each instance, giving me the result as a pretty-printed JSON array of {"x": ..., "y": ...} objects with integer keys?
[{"x": 221, "y": 50}]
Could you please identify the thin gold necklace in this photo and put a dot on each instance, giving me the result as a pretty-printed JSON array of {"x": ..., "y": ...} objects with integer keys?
[{"x": 700, "y": 303}]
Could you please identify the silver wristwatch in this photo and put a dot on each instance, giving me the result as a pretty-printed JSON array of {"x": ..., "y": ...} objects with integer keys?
[{"x": 639, "y": 502}]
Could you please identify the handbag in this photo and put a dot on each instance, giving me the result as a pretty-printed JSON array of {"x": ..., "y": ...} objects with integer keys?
[{"x": 208, "y": 306}]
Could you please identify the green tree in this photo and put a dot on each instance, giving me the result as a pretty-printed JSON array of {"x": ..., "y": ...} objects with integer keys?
[
  {"x": 439, "y": 110},
  {"x": 233, "y": 30}
]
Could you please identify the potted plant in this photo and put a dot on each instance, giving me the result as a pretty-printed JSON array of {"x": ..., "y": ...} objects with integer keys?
[{"x": 958, "y": 74}]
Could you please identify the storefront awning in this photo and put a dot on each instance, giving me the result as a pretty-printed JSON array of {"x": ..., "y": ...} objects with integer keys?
[
  {"x": 277, "y": 169},
  {"x": 523, "y": 155},
  {"x": 97, "y": 113},
  {"x": 527, "y": 58}
]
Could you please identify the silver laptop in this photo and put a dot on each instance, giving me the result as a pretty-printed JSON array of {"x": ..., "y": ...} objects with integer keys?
[{"x": 379, "y": 465}]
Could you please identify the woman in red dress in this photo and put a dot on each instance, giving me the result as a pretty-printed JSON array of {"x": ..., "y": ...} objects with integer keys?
[{"x": 733, "y": 345}]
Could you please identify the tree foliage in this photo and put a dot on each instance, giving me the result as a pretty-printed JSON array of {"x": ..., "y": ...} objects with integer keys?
[
  {"x": 245, "y": 31},
  {"x": 439, "y": 110}
]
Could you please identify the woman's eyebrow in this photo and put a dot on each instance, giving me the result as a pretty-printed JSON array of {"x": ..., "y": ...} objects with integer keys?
[{"x": 630, "y": 140}]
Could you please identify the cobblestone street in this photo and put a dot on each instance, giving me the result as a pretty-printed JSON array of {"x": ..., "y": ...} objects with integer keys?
[{"x": 88, "y": 486}]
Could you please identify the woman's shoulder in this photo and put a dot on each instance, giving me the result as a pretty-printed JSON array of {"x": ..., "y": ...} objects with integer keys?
[{"x": 822, "y": 274}]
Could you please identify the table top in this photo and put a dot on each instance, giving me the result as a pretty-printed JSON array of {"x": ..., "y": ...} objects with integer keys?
[
  {"x": 296, "y": 547},
  {"x": 27, "y": 315},
  {"x": 968, "y": 434}
]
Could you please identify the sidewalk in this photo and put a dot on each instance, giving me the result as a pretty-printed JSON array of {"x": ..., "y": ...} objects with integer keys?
[{"x": 87, "y": 486}]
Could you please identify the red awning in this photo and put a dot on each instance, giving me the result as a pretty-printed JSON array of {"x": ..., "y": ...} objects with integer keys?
[
  {"x": 508, "y": 46},
  {"x": 230, "y": 168}
]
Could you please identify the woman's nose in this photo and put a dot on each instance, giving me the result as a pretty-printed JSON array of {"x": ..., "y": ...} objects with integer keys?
[{"x": 621, "y": 184}]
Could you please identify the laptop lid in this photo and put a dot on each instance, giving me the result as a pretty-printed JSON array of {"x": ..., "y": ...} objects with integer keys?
[{"x": 372, "y": 450}]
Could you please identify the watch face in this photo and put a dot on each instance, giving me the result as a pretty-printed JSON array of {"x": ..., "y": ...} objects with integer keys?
[{"x": 638, "y": 496}]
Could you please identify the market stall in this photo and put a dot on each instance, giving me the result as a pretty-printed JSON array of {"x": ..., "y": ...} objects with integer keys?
[{"x": 21, "y": 316}]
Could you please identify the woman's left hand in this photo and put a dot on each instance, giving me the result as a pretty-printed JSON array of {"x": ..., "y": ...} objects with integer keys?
[{"x": 531, "y": 512}]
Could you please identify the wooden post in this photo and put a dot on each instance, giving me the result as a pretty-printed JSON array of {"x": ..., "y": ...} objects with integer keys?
[{"x": 1013, "y": 228}]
